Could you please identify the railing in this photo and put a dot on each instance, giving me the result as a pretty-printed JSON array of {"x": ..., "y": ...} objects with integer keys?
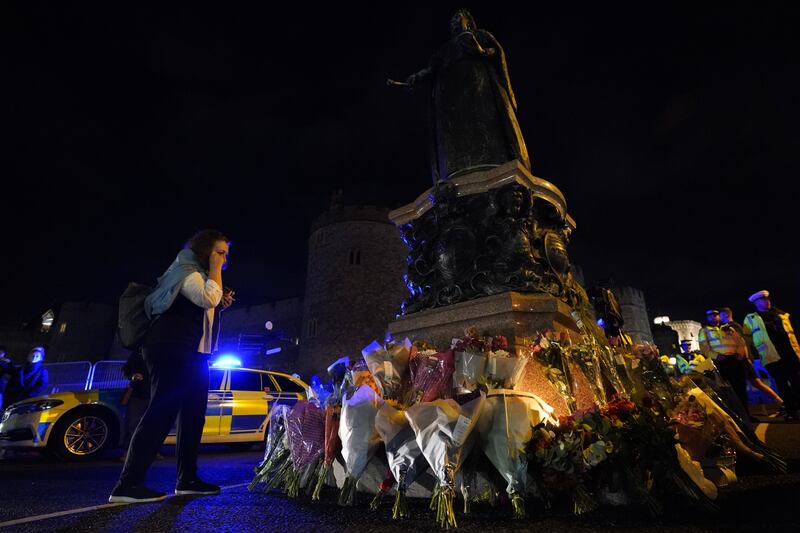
[
  {"x": 107, "y": 375},
  {"x": 68, "y": 376},
  {"x": 83, "y": 375}
]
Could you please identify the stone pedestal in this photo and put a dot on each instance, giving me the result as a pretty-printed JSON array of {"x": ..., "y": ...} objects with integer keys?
[
  {"x": 485, "y": 233},
  {"x": 513, "y": 314}
]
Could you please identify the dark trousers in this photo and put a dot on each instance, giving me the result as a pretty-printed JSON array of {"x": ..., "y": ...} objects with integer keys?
[
  {"x": 179, "y": 388},
  {"x": 786, "y": 374},
  {"x": 135, "y": 411},
  {"x": 734, "y": 372}
]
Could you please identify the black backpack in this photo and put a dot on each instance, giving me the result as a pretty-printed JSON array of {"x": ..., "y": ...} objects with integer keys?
[{"x": 132, "y": 321}]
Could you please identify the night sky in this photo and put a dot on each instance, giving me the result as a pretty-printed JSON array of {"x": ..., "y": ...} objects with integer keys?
[{"x": 672, "y": 130}]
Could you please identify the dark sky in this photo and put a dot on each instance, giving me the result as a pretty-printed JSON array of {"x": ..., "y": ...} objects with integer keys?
[{"x": 672, "y": 129}]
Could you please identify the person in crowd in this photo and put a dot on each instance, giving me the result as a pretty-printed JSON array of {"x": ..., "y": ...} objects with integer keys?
[
  {"x": 30, "y": 380},
  {"x": 6, "y": 368},
  {"x": 726, "y": 348},
  {"x": 175, "y": 351},
  {"x": 726, "y": 318},
  {"x": 777, "y": 346},
  {"x": 686, "y": 349}
]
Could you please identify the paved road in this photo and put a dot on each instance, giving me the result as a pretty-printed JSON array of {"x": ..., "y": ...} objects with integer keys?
[{"x": 33, "y": 486}]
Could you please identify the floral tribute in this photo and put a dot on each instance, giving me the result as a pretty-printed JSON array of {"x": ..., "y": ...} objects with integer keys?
[{"x": 632, "y": 428}]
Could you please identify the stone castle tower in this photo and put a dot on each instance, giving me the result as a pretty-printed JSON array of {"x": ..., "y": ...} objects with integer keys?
[
  {"x": 354, "y": 283},
  {"x": 634, "y": 312}
]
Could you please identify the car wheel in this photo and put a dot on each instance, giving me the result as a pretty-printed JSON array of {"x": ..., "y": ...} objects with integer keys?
[{"x": 81, "y": 435}]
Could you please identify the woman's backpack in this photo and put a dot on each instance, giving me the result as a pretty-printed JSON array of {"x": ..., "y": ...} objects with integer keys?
[{"x": 132, "y": 323}]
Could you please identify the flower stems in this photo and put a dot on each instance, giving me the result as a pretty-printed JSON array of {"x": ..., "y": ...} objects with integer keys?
[
  {"x": 322, "y": 477},
  {"x": 518, "y": 505},
  {"x": 376, "y": 501},
  {"x": 583, "y": 501},
  {"x": 293, "y": 483},
  {"x": 442, "y": 503},
  {"x": 347, "y": 496},
  {"x": 400, "y": 507},
  {"x": 272, "y": 465}
]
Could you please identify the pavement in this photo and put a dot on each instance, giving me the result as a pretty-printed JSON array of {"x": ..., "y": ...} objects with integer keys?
[{"x": 38, "y": 493}]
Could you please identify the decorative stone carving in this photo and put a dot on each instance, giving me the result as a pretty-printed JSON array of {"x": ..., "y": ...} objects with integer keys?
[{"x": 505, "y": 238}]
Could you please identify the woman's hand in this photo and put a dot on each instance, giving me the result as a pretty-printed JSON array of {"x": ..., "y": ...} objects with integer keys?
[
  {"x": 227, "y": 299},
  {"x": 217, "y": 259},
  {"x": 216, "y": 262}
]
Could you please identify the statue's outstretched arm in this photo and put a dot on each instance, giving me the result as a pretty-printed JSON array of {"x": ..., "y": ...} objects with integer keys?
[{"x": 411, "y": 80}]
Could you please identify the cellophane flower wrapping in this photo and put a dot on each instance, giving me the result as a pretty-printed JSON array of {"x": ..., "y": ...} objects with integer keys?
[
  {"x": 359, "y": 437},
  {"x": 402, "y": 451},
  {"x": 340, "y": 374},
  {"x": 277, "y": 455},
  {"x": 332, "y": 445},
  {"x": 389, "y": 367},
  {"x": 444, "y": 433},
  {"x": 546, "y": 349},
  {"x": 506, "y": 427},
  {"x": 360, "y": 375},
  {"x": 589, "y": 375},
  {"x": 431, "y": 376},
  {"x": 470, "y": 367},
  {"x": 722, "y": 422},
  {"x": 305, "y": 425},
  {"x": 504, "y": 370}
]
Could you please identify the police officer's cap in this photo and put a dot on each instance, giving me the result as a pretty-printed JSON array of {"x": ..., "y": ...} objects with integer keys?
[{"x": 759, "y": 294}]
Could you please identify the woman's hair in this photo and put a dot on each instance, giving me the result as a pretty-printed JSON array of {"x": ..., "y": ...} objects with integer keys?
[{"x": 202, "y": 243}]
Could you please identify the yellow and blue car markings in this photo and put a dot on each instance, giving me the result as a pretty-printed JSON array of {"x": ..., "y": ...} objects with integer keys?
[
  {"x": 47, "y": 418},
  {"x": 242, "y": 416}
]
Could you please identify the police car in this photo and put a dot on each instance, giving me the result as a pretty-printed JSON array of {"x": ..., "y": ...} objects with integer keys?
[{"x": 78, "y": 425}]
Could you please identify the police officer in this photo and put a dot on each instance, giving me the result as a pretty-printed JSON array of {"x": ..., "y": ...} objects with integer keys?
[{"x": 777, "y": 346}]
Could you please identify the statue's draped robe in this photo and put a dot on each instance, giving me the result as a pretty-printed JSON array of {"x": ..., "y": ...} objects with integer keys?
[{"x": 474, "y": 123}]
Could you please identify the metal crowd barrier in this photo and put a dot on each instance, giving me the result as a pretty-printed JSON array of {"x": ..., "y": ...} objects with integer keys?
[
  {"x": 107, "y": 375},
  {"x": 68, "y": 376},
  {"x": 83, "y": 375}
]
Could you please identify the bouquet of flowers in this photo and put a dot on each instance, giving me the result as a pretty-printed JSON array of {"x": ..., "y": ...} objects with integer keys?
[
  {"x": 741, "y": 440},
  {"x": 566, "y": 454},
  {"x": 546, "y": 348},
  {"x": 388, "y": 366},
  {"x": 277, "y": 458},
  {"x": 558, "y": 455},
  {"x": 503, "y": 370},
  {"x": 584, "y": 356},
  {"x": 358, "y": 435},
  {"x": 696, "y": 430},
  {"x": 612, "y": 366},
  {"x": 360, "y": 375},
  {"x": 403, "y": 453},
  {"x": 431, "y": 375},
  {"x": 443, "y": 429},
  {"x": 470, "y": 361},
  {"x": 646, "y": 456},
  {"x": 506, "y": 427},
  {"x": 305, "y": 426},
  {"x": 332, "y": 445},
  {"x": 650, "y": 378},
  {"x": 338, "y": 371}
]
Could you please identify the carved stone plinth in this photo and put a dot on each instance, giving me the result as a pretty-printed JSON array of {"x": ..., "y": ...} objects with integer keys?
[
  {"x": 512, "y": 314},
  {"x": 485, "y": 233}
]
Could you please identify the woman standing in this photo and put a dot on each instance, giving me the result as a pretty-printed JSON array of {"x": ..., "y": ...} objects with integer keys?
[{"x": 183, "y": 307}]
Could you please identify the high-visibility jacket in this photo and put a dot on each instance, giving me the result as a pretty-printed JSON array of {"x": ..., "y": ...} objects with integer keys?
[
  {"x": 716, "y": 341},
  {"x": 754, "y": 325}
]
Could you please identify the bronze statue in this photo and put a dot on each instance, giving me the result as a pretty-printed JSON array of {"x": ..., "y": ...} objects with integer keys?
[{"x": 473, "y": 109}]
